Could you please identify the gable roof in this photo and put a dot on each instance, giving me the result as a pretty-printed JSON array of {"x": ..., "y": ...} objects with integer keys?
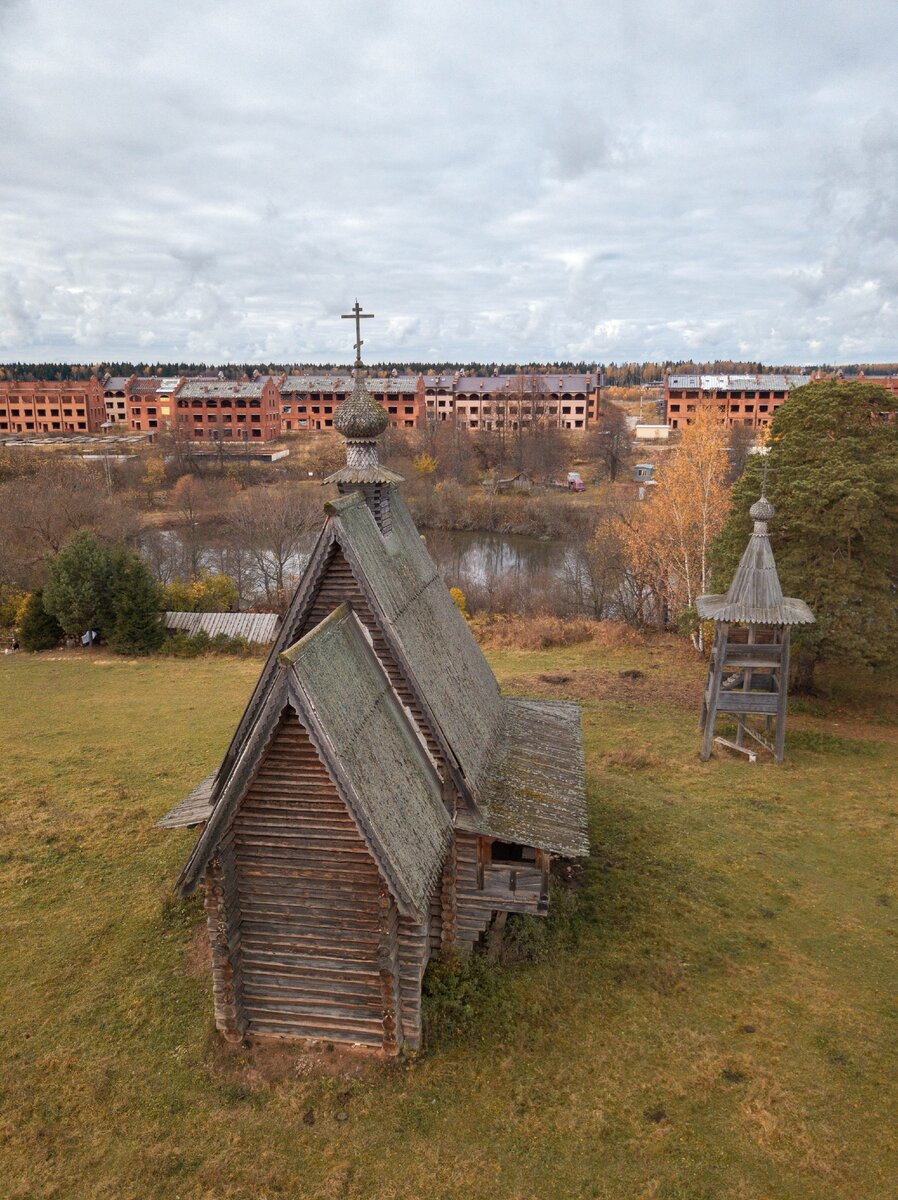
[
  {"x": 422, "y": 626},
  {"x": 435, "y": 648},
  {"x": 342, "y": 696},
  {"x": 520, "y": 767}
]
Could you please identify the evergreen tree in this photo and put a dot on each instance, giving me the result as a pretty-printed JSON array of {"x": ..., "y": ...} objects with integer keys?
[
  {"x": 38, "y": 630},
  {"x": 79, "y": 593},
  {"x": 833, "y": 479},
  {"x": 136, "y": 602}
]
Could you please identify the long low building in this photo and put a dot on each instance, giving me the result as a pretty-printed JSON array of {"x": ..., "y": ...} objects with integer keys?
[
  {"x": 41, "y": 406},
  {"x": 524, "y": 400},
  {"x": 259, "y": 628},
  {"x": 749, "y": 400}
]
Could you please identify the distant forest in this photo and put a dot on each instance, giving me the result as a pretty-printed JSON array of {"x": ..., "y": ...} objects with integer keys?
[{"x": 627, "y": 374}]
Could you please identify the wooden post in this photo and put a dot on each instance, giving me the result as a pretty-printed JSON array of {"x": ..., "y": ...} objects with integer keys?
[
  {"x": 712, "y": 688},
  {"x": 780, "y": 743},
  {"x": 746, "y": 687}
]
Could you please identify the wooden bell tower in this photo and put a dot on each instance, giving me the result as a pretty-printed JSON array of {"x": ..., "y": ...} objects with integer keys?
[{"x": 748, "y": 676}]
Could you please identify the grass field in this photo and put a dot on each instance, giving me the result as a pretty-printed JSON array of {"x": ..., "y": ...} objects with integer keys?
[{"x": 724, "y": 1024}]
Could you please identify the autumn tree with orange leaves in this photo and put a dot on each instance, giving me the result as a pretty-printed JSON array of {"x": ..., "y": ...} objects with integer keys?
[{"x": 667, "y": 538}]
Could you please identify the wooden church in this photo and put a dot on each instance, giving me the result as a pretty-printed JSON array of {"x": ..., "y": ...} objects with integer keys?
[{"x": 380, "y": 800}]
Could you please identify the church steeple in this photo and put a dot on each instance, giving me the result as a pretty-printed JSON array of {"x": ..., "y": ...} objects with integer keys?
[{"x": 362, "y": 420}]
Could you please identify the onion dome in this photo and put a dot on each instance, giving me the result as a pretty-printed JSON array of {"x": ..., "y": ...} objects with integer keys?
[
  {"x": 360, "y": 418},
  {"x": 762, "y": 510}
]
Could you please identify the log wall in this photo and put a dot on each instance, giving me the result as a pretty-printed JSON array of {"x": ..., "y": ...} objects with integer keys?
[
  {"x": 482, "y": 889},
  {"x": 319, "y": 939}
]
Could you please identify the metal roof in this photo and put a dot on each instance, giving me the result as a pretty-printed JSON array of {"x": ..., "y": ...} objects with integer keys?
[
  {"x": 755, "y": 596},
  {"x": 739, "y": 383},
  {"x": 523, "y": 384},
  {"x": 199, "y": 389},
  {"x": 261, "y": 628},
  {"x": 327, "y": 384}
]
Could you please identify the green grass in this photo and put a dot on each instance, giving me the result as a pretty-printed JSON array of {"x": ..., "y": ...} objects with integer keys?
[{"x": 724, "y": 1024}]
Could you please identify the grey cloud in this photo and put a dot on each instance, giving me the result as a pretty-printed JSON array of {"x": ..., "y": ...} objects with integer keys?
[{"x": 508, "y": 180}]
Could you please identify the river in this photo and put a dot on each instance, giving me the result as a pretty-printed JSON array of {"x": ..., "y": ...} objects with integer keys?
[{"x": 506, "y": 571}]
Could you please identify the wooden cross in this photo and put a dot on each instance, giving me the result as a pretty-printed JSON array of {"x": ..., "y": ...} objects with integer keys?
[{"x": 358, "y": 316}]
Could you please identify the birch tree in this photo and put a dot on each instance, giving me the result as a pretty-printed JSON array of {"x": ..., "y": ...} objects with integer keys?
[{"x": 668, "y": 537}]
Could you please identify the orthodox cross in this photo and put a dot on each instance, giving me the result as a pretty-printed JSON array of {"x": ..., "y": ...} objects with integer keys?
[{"x": 358, "y": 316}]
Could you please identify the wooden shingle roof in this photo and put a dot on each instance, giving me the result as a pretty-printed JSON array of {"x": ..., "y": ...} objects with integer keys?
[
  {"x": 335, "y": 683},
  {"x": 755, "y": 596},
  {"x": 519, "y": 766}
]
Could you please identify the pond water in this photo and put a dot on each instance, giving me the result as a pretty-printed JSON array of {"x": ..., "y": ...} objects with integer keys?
[{"x": 479, "y": 556}]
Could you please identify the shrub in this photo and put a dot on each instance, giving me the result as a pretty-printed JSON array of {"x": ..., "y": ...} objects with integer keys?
[
  {"x": 460, "y": 601},
  {"x": 39, "y": 630},
  {"x": 535, "y": 633},
  {"x": 459, "y": 994},
  {"x": 211, "y": 591},
  {"x": 183, "y": 645}
]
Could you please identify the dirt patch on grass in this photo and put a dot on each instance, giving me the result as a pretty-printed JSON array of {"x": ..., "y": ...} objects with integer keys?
[
  {"x": 613, "y": 685},
  {"x": 260, "y": 1062}
]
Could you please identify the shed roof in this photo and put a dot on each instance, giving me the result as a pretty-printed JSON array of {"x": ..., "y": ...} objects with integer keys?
[
  {"x": 533, "y": 790},
  {"x": 255, "y": 627}
]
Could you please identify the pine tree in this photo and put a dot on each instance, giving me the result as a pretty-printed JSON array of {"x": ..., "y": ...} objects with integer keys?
[
  {"x": 833, "y": 479},
  {"x": 38, "y": 629},
  {"x": 136, "y": 601},
  {"x": 79, "y": 593}
]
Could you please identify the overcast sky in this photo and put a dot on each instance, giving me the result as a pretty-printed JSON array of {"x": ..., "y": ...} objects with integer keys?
[{"x": 501, "y": 179}]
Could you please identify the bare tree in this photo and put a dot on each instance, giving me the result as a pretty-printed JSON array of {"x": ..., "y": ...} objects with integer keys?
[
  {"x": 40, "y": 512},
  {"x": 273, "y": 526},
  {"x": 609, "y": 441}
]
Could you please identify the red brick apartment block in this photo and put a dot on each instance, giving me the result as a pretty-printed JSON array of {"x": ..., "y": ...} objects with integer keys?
[
  {"x": 222, "y": 409},
  {"x": 522, "y": 401},
  {"x": 310, "y": 401},
  {"x": 736, "y": 399},
  {"x": 42, "y": 406},
  {"x": 141, "y": 402}
]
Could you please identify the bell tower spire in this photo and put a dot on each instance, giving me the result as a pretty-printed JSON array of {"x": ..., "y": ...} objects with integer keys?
[{"x": 362, "y": 420}]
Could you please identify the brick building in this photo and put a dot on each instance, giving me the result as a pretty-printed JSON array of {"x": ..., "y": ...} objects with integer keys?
[
  {"x": 522, "y": 401},
  {"x": 51, "y": 406},
  {"x": 228, "y": 410},
  {"x": 749, "y": 400},
  {"x": 310, "y": 401},
  {"x": 142, "y": 402}
]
